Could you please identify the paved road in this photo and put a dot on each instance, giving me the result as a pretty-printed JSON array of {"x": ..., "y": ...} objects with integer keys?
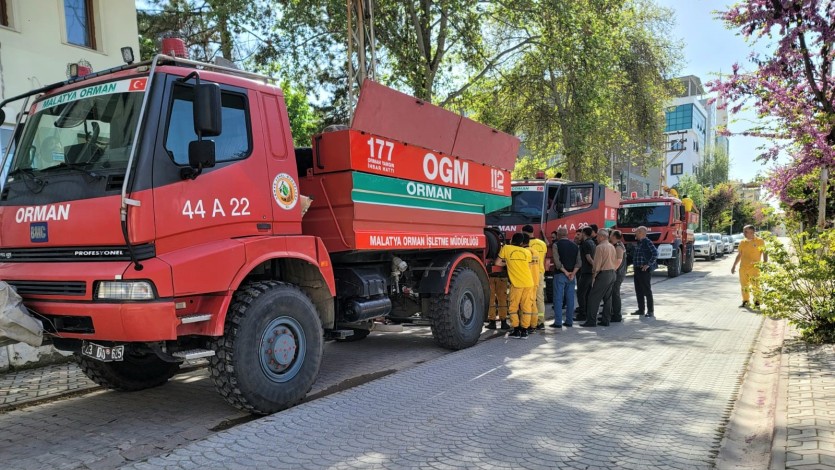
[
  {"x": 106, "y": 429},
  {"x": 648, "y": 393}
]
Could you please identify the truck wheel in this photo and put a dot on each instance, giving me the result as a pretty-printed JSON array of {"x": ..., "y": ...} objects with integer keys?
[
  {"x": 269, "y": 356},
  {"x": 135, "y": 372},
  {"x": 688, "y": 259},
  {"x": 674, "y": 265},
  {"x": 457, "y": 317}
]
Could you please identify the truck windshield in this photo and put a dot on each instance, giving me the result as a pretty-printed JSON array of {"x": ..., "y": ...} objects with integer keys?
[
  {"x": 527, "y": 202},
  {"x": 646, "y": 215},
  {"x": 93, "y": 132}
]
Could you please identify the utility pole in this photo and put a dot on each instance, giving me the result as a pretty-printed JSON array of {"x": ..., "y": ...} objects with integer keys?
[{"x": 362, "y": 51}]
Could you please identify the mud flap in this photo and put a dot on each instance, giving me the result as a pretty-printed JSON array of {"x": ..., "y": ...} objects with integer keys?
[{"x": 16, "y": 325}]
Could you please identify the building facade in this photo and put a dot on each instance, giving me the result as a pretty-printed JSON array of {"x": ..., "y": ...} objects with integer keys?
[{"x": 39, "y": 38}]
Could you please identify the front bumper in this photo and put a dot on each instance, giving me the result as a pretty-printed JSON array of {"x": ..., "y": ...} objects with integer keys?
[
  {"x": 138, "y": 321},
  {"x": 702, "y": 251}
]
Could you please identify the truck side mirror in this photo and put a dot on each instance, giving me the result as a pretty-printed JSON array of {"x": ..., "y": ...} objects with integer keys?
[{"x": 207, "y": 110}]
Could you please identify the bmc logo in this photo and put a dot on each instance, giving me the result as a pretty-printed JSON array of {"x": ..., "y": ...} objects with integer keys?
[{"x": 447, "y": 169}]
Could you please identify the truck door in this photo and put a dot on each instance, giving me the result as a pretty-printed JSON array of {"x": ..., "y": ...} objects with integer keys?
[{"x": 224, "y": 202}]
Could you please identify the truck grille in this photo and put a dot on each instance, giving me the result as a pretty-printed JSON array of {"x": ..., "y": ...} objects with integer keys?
[
  {"x": 74, "y": 288},
  {"x": 79, "y": 253}
]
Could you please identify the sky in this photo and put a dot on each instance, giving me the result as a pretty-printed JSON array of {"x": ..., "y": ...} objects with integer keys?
[{"x": 710, "y": 48}]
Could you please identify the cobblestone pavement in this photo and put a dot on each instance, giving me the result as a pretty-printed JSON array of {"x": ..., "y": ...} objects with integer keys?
[
  {"x": 20, "y": 387},
  {"x": 809, "y": 374},
  {"x": 105, "y": 429},
  {"x": 647, "y": 393}
]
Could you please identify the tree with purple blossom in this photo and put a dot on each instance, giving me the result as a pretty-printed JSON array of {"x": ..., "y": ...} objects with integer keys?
[{"x": 793, "y": 89}]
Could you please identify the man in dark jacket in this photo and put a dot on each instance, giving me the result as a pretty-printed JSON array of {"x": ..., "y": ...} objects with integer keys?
[
  {"x": 566, "y": 264},
  {"x": 586, "y": 274},
  {"x": 646, "y": 261}
]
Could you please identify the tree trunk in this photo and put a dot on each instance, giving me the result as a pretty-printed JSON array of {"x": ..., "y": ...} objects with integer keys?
[
  {"x": 225, "y": 36},
  {"x": 822, "y": 199}
]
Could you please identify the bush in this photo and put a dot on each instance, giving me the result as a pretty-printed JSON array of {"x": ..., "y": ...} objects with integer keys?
[{"x": 798, "y": 283}]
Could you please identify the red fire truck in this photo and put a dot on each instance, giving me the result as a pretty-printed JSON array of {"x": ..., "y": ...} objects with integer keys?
[
  {"x": 550, "y": 203},
  {"x": 155, "y": 212},
  {"x": 670, "y": 226}
]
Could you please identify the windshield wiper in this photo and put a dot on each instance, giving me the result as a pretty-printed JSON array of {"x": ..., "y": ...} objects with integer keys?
[
  {"x": 72, "y": 166},
  {"x": 30, "y": 173}
]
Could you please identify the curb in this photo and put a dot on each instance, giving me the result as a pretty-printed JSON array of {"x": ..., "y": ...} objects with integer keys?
[
  {"x": 750, "y": 432},
  {"x": 780, "y": 443}
]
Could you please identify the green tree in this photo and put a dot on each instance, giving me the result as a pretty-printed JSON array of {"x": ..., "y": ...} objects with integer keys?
[
  {"x": 689, "y": 186},
  {"x": 591, "y": 85},
  {"x": 716, "y": 212},
  {"x": 714, "y": 168}
]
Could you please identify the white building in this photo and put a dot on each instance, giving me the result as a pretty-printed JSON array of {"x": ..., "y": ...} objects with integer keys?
[
  {"x": 39, "y": 38},
  {"x": 688, "y": 131}
]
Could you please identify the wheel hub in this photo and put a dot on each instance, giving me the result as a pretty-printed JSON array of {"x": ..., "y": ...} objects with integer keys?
[
  {"x": 282, "y": 349},
  {"x": 466, "y": 308}
]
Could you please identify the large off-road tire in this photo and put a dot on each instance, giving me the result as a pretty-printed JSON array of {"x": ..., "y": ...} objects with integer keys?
[
  {"x": 674, "y": 264},
  {"x": 690, "y": 253},
  {"x": 269, "y": 356},
  {"x": 457, "y": 317},
  {"x": 135, "y": 372}
]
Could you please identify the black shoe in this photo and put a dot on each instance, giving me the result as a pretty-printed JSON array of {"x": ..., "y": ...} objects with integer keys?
[
  {"x": 504, "y": 325},
  {"x": 580, "y": 318},
  {"x": 524, "y": 334},
  {"x": 649, "y": 314},
  {"x": 602, "y": 323},
  {"x": 531, "y": 331},
  {"x": 588, "y": 325},
  {"x": 541, "y": 326},
  {"x": 491, "y": 325},
  {"x": 744, "y": 304},
  {"x": 637, "y": 312},
  {"x": 567, "y": 325},
  {"x": 555, "y": 325},
  {"x": 616, "y": 319},
  {"x": 516, "y": 334}
]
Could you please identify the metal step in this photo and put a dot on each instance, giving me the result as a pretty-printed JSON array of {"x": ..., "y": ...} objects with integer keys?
[
  {"x": 196, "y": 318},
  {"x": 194, "y": 354}
]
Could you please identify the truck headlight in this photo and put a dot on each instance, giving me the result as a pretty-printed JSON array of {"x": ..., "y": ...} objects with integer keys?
[{"x": 125, "y": 290}]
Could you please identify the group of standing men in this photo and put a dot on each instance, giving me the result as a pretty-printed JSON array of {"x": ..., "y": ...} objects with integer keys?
[{"x": 595, "y": 262}]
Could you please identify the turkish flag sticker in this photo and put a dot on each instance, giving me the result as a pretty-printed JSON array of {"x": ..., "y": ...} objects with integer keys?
[{"x": 138, "y": 84}]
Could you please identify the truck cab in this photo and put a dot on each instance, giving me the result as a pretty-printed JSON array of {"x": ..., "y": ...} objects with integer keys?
[{"x": 670, "y": 227}]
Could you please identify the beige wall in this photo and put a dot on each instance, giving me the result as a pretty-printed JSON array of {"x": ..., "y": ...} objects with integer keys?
[{"x": 34, "y": 49}]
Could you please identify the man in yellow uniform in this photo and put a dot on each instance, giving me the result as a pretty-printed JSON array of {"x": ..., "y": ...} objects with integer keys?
[
  {"x": 498, "y": 300},
  {"x": 518, "y": 260},
  {"x": 751, "y": 251},
  {"x": 540, "y": 249}
]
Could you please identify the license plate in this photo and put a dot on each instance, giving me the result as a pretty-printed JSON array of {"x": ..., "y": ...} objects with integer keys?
[{"x": 102, "y": 353}]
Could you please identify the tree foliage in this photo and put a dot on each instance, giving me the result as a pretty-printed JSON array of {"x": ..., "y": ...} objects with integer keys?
[
  {"x": 798, "y": 283},
  {"x": 794, "y": 88},
  {"x": 716, "y": 211},
  {"x": 715, "y": 167},
  {"x": 591, "y": 85}
]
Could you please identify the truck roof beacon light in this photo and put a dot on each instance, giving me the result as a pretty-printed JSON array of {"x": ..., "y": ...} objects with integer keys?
[
  {"x": 127, "y": 54},
  {"x": 540, "y": 175}
]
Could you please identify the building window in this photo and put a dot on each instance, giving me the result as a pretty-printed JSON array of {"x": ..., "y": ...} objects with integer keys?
[
  {"x": 81, "y": 30},
  {"x": 677, "y": 168},
  {"x": 4, "y": 13}
]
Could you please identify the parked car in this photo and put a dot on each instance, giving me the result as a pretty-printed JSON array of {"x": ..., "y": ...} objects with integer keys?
[
  {"x": 720, "y": 245},
  {"x": 737, "y": 237},
  {"x": 729, "y": 244},
  {"x": 703, "y": 247}
]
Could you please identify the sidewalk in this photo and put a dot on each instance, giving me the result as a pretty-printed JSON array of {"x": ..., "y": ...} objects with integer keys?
[
  {"x": 805, "y": 437},
  {"x": 33, "y": 385}
]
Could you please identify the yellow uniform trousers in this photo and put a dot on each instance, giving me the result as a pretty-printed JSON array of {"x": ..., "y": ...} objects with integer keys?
[
  {"x": 749, "y": 281},
  {"x": 498, "y": 299},
  {"x": 521, "y": 306},
  {"x": 540, "y": 301}
]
